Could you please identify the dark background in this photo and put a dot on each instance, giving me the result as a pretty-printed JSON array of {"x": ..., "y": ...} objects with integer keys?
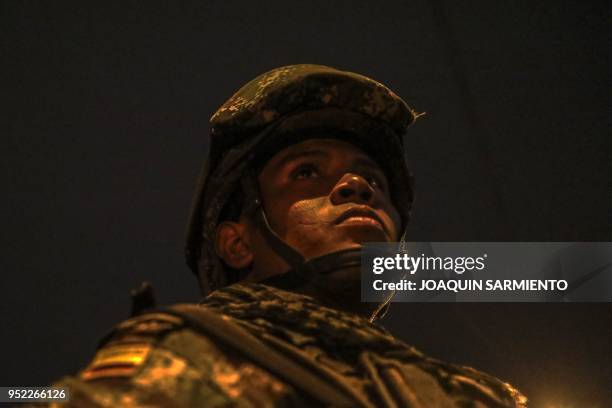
[{"x": 104, "y": 123}]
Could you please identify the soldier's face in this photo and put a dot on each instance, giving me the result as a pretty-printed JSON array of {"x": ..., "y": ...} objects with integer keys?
[{"x": 325, "y": 195}]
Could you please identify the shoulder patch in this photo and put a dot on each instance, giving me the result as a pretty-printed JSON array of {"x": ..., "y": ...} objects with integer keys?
[{"x": 119, "y": 360}]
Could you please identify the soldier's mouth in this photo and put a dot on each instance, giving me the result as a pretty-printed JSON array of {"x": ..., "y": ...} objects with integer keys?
[{"x": 361, "y": 216}]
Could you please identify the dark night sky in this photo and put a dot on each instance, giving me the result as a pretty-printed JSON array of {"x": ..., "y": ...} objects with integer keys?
[{"x": 105, "y": 115}]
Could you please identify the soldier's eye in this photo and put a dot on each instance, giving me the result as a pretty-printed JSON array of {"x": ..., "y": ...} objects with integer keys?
[{"x": 305, "y": 172}]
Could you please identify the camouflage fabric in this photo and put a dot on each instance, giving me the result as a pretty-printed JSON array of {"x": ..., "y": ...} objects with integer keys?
[
  {"x": 182, "y": 368},
  {"x": 292, "y": 88},
  {"x": 179, "y": 368}
]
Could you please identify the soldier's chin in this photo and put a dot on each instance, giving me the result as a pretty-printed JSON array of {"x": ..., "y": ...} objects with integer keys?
[{"x": 360, "y": 236}]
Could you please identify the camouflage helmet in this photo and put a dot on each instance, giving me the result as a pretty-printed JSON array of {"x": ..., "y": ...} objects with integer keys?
[{"x": 274, "y": 110}]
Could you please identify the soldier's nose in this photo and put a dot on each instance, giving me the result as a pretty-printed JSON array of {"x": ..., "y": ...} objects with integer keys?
[{"x": 352, "y": 188}]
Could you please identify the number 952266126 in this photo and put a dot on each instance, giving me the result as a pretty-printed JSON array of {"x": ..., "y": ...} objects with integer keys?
[{"x": 33, "y": 394}]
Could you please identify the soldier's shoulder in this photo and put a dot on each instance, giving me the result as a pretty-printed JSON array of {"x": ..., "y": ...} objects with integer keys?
[
  {"x": 465, "y": 384},
  {"x": 158, "y": 359}
]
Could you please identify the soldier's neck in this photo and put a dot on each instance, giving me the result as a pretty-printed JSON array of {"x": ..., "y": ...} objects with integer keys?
[{"x": 340, "y": 290}]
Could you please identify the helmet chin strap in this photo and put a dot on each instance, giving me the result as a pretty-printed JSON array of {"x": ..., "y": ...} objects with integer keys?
[
  {"x": 383, "y": 307},
  {"x": 302, "y": 271}
]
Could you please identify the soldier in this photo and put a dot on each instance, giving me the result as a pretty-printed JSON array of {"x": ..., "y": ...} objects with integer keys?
[{"x": 306, "y": 164}]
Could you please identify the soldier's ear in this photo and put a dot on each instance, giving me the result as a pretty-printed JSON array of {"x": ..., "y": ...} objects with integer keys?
[{"x": 232, "y": 244}]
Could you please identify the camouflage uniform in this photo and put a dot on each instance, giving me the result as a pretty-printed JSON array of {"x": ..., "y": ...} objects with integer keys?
[
  {"x": 254, "y": 344},
  {"x": 172, "y": 365}
]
